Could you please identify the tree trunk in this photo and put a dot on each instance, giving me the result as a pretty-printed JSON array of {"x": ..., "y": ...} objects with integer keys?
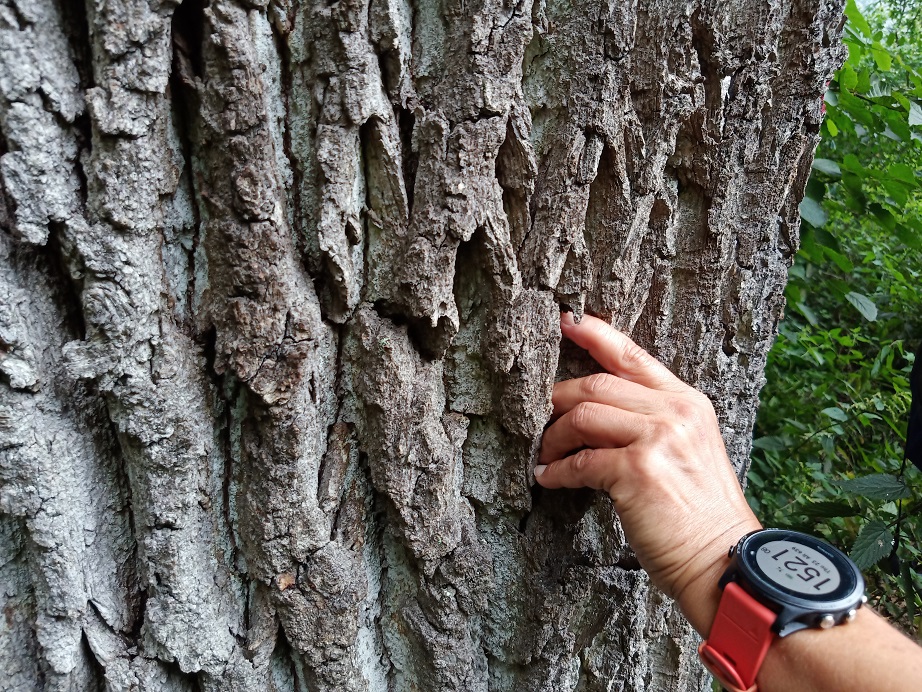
[{"x": 279, "y": 292}]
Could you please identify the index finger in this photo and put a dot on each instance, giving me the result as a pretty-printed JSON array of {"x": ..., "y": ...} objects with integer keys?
[{"x": 618, "y": 354}]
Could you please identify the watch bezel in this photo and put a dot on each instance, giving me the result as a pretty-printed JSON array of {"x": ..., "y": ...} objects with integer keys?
[{"x": 762, "y": 588}]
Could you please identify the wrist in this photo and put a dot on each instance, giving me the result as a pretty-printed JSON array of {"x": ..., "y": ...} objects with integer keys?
[
  {"x": 779, "y": 582},
  {"x": 700, "y": 597}
]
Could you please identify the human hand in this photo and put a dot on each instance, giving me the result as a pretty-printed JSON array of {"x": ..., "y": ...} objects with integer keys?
[{"x": 654, "y": 445}]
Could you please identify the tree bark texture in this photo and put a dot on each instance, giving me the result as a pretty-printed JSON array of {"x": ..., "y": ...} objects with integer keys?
[{"x": 279, "y": 292}]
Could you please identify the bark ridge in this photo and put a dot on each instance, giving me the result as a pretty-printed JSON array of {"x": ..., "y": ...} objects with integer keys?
[{"x": 279, "y": 290}]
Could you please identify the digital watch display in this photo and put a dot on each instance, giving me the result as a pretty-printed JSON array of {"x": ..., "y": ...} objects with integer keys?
[
  {"x": 797, "y": 568},
  {"x": 779, "y": 582},
  {"x": 800, "y": 576}
]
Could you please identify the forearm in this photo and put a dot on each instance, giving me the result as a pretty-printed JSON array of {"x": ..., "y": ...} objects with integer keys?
[{"x": 867, "y": 654}]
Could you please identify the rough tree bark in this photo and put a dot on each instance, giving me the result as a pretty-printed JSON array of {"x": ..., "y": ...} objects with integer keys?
[{"x": 279, "y": 287}]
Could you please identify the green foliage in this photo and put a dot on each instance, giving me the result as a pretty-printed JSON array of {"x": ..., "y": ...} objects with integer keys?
[
  {"x": 878, "y": 486},
  {"x": 828, "y": 448},
  {"x": 873, "y": 544}
]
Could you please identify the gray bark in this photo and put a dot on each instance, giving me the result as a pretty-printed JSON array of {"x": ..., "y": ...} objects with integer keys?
[{"x": 279, "y": 287}]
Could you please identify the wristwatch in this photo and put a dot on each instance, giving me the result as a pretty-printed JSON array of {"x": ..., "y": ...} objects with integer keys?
[{"x": 779, "y": 582}]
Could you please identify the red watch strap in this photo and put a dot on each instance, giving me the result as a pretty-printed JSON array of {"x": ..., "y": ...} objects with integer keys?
[{"x": 739, "y": 639}]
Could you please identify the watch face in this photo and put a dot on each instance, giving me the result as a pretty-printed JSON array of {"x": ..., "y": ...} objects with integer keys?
[
  {"x": 787, "y": 564},
  {"x": 798, "y": 567}
]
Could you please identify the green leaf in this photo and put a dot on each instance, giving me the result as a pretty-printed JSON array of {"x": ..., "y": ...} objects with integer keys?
[
  {"x": 874, "y": 543},
  {"x": 816, "y": 188},
  {"x": 835, "y": 413},
  {"x": 830, "y": 509},
  {"x": 863, "y": 304},
  {"x": 840, "y": 260},
  {"x": 808, "y": 248},
  {"x": 903, "y": 173},
  {"x": 856, "y": 19},
  {"x": 840, "y": 287},
  {"x": 853, "y": 194},
  {"x": 878, "y": 486},
  {"x": 897, "y": 191},
  {"x": 851, "y": 163},
  {"x": 883, "y": 216},
  {"x": 804, "y": 310},
  {"x": 812, "y": 212},
  {"x": 855, "y": 46},
  {"x": 770, "y": 444},
  {"x": 896, "y": 123},
  {"x": 848, "y": 78},
  {"x": 882, "y": 57},
  {"x": 831, "y": 127},
  {"x": 827, "y": 166},
  {"x": 825, "y": 239},
  {"x": 856, "y": 108},
  {"x": 908, "y": 236}
]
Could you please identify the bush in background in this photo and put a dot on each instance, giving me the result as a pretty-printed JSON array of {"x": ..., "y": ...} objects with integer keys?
[{"x": 828, "y": 447}]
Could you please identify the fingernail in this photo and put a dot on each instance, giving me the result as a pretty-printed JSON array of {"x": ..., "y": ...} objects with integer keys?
[
  {"x": 539, "y": 469},
  {"x": 567, "y": 319}
]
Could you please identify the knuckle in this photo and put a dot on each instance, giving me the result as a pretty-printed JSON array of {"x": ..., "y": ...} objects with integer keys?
[
  {"x": 698, "y": 396},
  {"x": 581, "y": 416},
  {"x": 582, "y": 461},
  {"x": 669, "y": 428},
  {"x": 596, "y": 385},
  {"x": 684, "y": 408},
  {"x": 706, "y": 406},
  {"x": 635, "y": 457},
  {"x": 644, "y": 463},
  {"x": 635, "y": 356}
]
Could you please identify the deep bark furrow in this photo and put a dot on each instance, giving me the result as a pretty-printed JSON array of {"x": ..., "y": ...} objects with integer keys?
[
  {"x": 320, "y": 250},
  {"x": 61, "y": 482}
]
